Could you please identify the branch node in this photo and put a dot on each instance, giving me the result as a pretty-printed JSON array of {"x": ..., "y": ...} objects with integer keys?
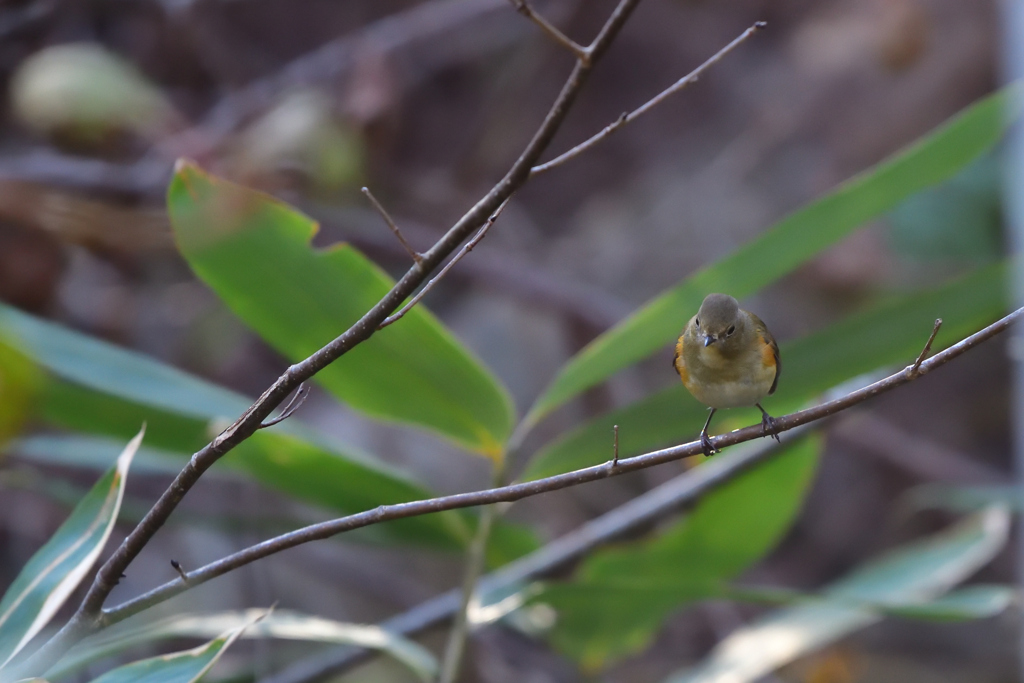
[
  {"x": 615, "y": 446},
  {"x": 915, "y": 369},
  {"x": 391, "y": 224},
  {"x": 297, "y": 400},
  {"x": 181, "y": 572},
  {"x": 583, "y": 54}
]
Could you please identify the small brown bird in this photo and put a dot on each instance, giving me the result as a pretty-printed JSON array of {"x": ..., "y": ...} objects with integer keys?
[{"x": 727, "y": 358}]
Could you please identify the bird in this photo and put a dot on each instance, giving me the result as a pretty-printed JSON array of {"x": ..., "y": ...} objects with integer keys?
[{"x": 727, "y": 358}]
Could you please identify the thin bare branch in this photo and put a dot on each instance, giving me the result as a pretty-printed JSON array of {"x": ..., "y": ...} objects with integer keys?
[
  {"x": 87, "y": 619},
  {"x": 927, "y": 347},
  {"x": 650, "y": 104},
  {"x": 515, "y": 492},
  {"x": 632, "y": 515},
  {"x": 444, "y": 271},
  {"x": 615, "y": 446},
  {"x": 581, "y": 53},
  {"x": 297, "y": 400},
  {"x": 391, "y": 224}
]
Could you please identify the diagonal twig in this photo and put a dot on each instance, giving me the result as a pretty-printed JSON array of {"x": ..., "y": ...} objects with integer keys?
[
  {"x": 524, "y": 8},
  {"x": 391, "y": 224},
  {"x": 518, "y": 491},
  {"x": 916, "y": 367},
  {"x": 391, "y": 319},
  {"x": 627, "y": 117}
]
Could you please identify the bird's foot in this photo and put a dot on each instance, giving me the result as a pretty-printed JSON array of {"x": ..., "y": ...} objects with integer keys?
[
  {"x": 769, "y": 427},
  {"x": 706, "y": 446}
]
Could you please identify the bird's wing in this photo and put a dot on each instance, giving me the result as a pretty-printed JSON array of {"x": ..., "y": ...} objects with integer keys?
[{"x": 762, "y": 330}]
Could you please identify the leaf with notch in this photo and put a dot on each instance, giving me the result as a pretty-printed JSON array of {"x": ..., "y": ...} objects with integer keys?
[{"x": 255, "y": 253}]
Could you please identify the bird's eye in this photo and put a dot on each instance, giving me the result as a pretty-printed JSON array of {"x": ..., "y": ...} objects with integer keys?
[
  {"x": 697, "y": 321},
  {"x": 732, "y": 328}
]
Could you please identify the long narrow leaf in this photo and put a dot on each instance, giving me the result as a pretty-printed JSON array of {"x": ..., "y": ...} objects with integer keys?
[
  {"x": 280, "y": 624},
  {"x": 786, "y": 245},
  {"x": 891, "y": 331},
  {"x": 909, "y": 577},
  {"x": 98, "y": 388},
  {"x": 181, "y": 667},
  {"x": 57, "y": 568}
]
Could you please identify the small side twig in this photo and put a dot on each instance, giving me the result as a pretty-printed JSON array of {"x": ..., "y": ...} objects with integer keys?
[
  {"x": 391, "y": 224},
  {"x": 181, "y": 572},
  {"x": 391, "y": 319},
  {"x": 524, "y": 8},
  {"x": 615, "y": 446},
  {"x": 916, "y": 367},
  {"x": 625, "y": 118},
  {"x": 297, "y": 400}
]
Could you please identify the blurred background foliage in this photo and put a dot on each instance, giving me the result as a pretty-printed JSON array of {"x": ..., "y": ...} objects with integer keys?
[{"x": 784, "y": 177}]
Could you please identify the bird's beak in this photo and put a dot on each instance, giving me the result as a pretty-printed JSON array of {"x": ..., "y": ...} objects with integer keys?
[{"x": 709, "y": 339}]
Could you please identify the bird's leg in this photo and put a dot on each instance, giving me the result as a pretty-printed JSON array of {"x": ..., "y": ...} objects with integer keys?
[
  {"x": 705, "y": 440},
  {"x": 768, "y": 427}
]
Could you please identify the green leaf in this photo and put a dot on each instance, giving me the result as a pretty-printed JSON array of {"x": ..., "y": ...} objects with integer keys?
[
  {"x": 131, "y": 376},
  {"x": 94, "y": 453},
  {"x": 98, "y": 388},
  {"x": 605, "y": 612},
  {"x": 57, "y": 568},
  {"x": 783, "y": 247},
  {"x": 279, "y": 624},
  {"x": 909, "y": 577},
  {"x": 891, "y": 331},
  {"x": 180, "y": 667},
  {"x": 255, "y": 253}
]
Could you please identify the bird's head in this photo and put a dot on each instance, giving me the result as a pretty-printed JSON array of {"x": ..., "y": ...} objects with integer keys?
[{"x": 718, "y": 321}]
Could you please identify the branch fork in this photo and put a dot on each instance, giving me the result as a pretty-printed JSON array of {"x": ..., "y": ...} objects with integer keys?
[
  {"x": 415, "y": 255},
  {"x": 582, "y": 54}
]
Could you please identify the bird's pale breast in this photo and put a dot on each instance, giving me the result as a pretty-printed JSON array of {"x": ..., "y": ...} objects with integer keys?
[{"x": 722, "y": 382}]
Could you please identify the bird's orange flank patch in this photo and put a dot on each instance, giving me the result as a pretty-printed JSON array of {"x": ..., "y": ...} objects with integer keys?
[{"x": 767, "y": 354}]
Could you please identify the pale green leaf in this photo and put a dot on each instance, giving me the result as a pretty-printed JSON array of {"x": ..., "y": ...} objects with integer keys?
[
  {"x": 60, "y": 565},
  {"x": 279, "y": 624},
  {"x": 181, "y": 667}
]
